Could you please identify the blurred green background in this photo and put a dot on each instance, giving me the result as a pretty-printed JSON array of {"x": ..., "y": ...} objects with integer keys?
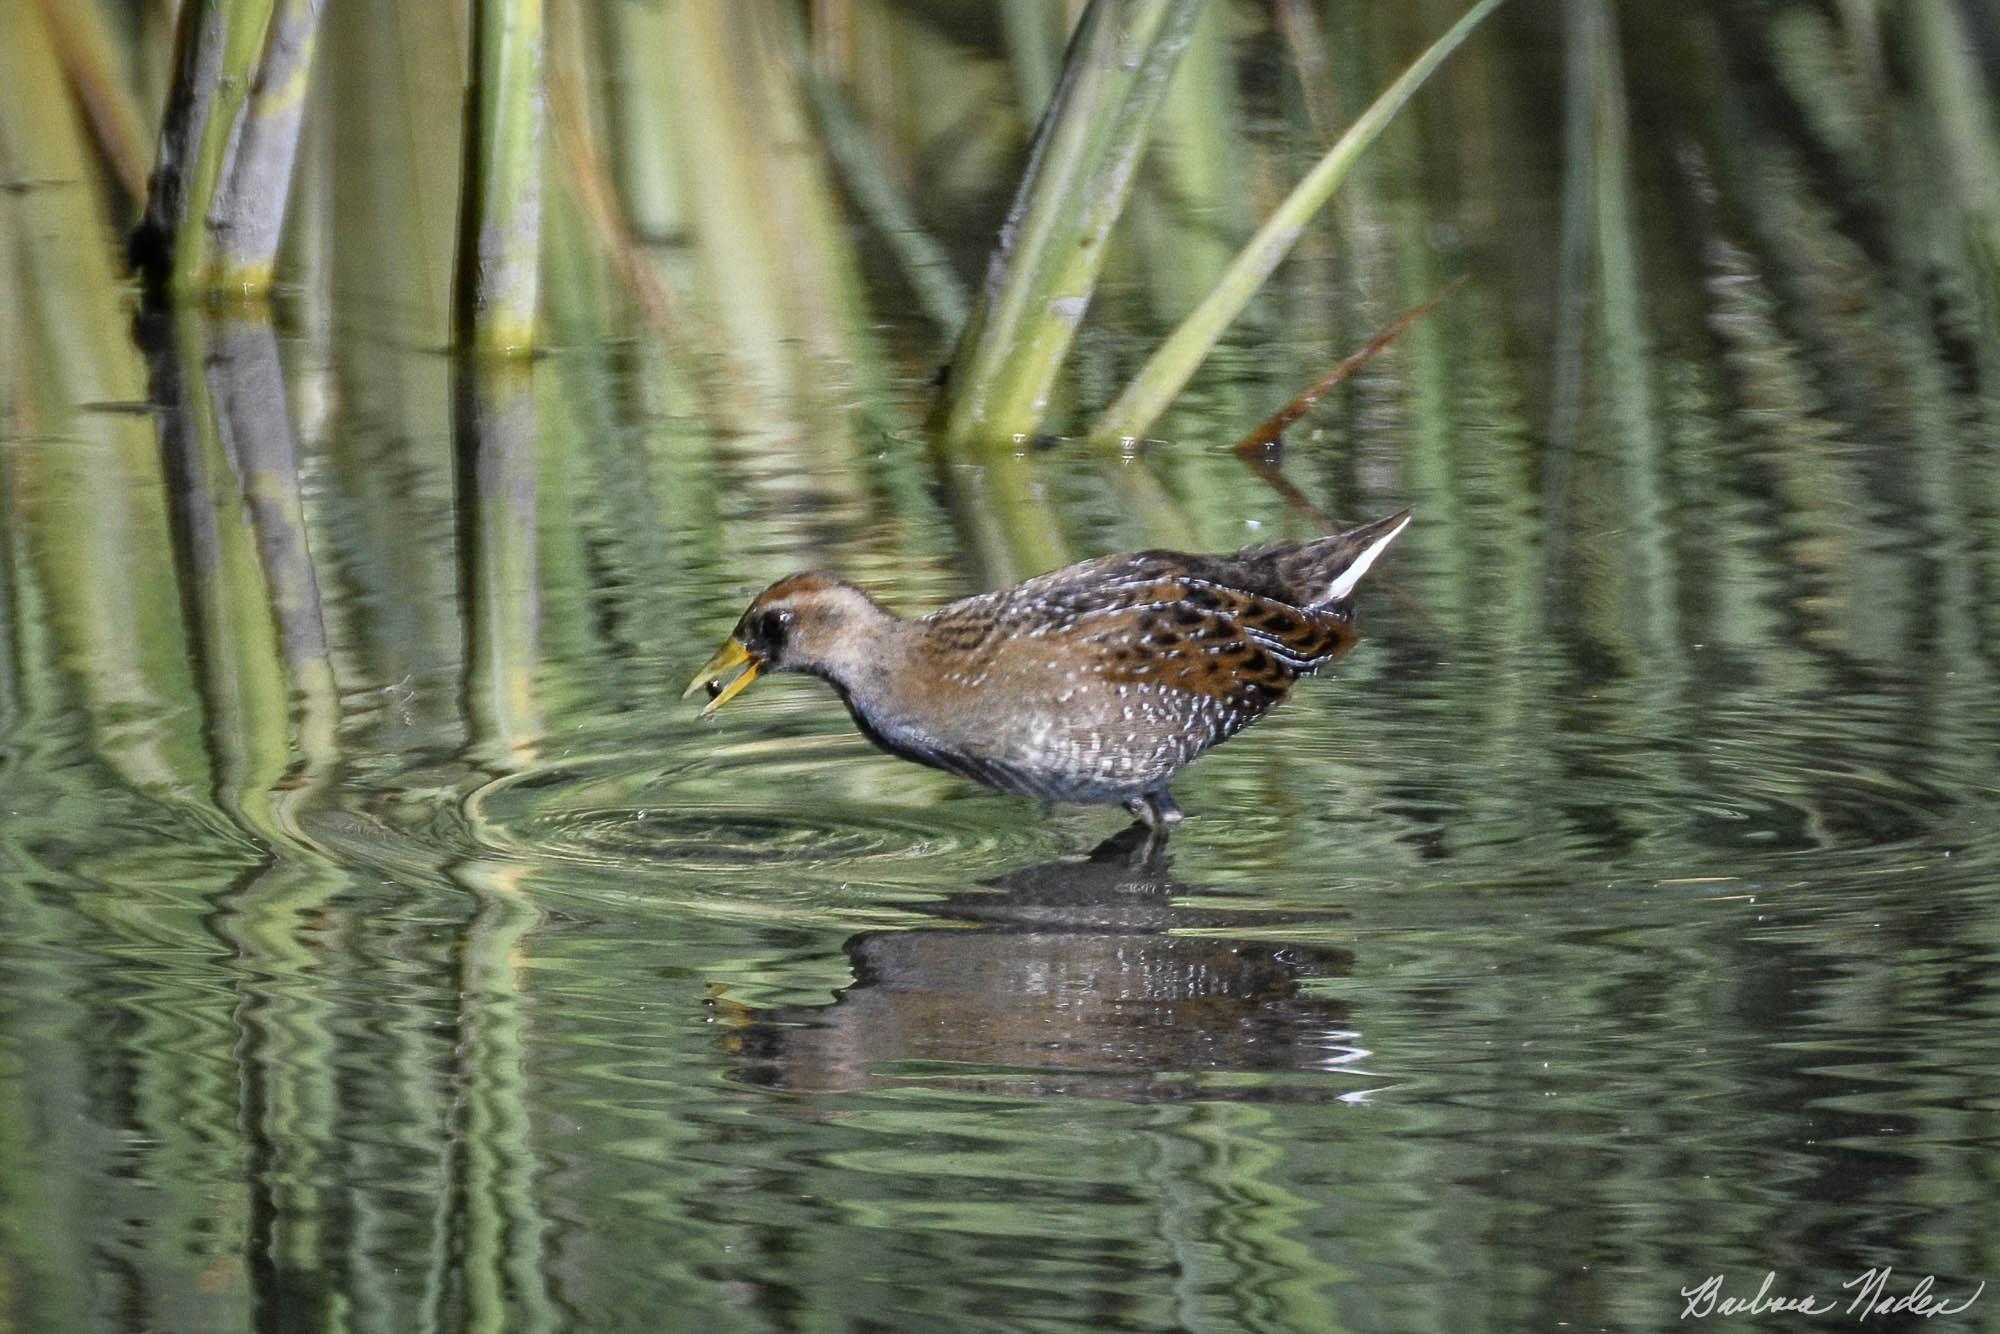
[{"x": 383, "y": 945}]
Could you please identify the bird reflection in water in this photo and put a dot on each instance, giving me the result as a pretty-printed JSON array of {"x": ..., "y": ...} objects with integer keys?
[{"x": 1099, "y": 977}]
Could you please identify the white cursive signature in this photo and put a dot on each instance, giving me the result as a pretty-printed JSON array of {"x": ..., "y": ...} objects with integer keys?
[{"x": 1871, "y": 1298}]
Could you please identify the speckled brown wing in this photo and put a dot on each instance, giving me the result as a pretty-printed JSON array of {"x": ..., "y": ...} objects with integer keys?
[
  {"x": 1197, "y": 623},
  {"x": 1049, "y": 604},
  {"x": 1217, "y": 655},
  {"x": 1134, "y": 665}
]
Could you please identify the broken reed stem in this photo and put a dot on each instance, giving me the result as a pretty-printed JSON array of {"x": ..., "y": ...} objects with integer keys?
[
  {"x": 1258, "y": 448},
  {"x": 1275, "y": 425}
]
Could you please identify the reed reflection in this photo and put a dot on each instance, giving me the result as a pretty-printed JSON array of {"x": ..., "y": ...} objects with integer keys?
[
  {"x": 500, "y": 584},
  {"x": 1076, "y": 978},
  {"x": 244, "y": 564}
]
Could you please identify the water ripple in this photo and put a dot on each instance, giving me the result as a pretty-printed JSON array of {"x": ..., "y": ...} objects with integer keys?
[{"x": 621, "y": 816}]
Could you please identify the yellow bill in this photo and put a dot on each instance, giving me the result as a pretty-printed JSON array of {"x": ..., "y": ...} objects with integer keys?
[{"x": 731, "y": 655}]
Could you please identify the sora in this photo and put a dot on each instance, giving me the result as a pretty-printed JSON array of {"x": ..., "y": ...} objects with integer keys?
[{"x": 1093, "y": 683}]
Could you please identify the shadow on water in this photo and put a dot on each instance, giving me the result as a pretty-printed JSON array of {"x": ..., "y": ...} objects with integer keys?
[{"x": 1095, "y": 977}]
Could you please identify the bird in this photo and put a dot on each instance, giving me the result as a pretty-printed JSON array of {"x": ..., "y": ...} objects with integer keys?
[{"x": 1095, "y": 683}]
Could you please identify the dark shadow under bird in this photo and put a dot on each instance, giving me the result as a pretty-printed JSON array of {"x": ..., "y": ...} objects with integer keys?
[{"x": 1097, "y": 682}]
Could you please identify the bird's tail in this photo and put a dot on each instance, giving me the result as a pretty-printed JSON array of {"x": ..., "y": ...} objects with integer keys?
[{"x": 1332, "y": 566}]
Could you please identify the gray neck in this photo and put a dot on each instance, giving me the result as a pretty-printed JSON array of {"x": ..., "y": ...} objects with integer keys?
[{"x": 865, "y": 664}]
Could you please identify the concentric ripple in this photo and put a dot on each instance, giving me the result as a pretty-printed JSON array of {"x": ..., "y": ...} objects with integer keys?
[
  {"x": 723, "y": 838},
  {"x": 603, "y": 823}
]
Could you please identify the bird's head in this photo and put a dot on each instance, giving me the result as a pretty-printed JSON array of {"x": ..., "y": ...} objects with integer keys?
[{"x": 809, "y": 622}]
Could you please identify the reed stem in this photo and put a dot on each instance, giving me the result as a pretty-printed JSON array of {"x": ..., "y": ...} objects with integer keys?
[
  {"x": 925, "y": 264},
  {"x": 103, "y": 88},
  {"x": 500, "y": 199},
  {"x": 248, "y": 215},
  {"x": 216, "y": 49},
  {"x": 1051, "y": 249}
]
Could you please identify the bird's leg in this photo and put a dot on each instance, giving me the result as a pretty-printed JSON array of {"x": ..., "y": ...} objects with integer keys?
[{"x": 1155, "y": 809}]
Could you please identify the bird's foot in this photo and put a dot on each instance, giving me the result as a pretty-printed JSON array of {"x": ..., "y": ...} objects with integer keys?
[{"x": 1155, "y": 809}]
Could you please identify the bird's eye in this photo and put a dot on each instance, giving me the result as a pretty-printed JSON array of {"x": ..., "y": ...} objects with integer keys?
[{"x": 773, "y": 626}]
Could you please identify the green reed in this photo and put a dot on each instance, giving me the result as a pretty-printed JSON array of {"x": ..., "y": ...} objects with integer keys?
[
  {"x": 247, "y": 215},
  {"x": 500, "y": 210},
  {"x": 88, "y": 495},
  {"x": 1052, "y": 246},
  {"x": 216, "y": 52},
  {"x": 926, "y": 266},
  {"x": 1175, "y": 361}
]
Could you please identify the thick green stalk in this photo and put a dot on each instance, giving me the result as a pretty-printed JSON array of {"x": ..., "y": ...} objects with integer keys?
[
  {"x": 215, "y": 55},
  {"x": 1050, "y": 251},
  {"x": 249, "y": 210},
  {"x": 1164, "y": 375},
  {"x": 500, "y": 206}
]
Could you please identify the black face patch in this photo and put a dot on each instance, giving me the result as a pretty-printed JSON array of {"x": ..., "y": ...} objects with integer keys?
[{"x": 765, "y": 632}]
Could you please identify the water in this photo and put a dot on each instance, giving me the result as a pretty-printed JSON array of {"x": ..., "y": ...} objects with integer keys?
[{"x": 385, "y": 945}]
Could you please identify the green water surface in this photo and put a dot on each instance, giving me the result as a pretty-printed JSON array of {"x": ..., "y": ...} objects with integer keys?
[{"x": 384, "y": 945}]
